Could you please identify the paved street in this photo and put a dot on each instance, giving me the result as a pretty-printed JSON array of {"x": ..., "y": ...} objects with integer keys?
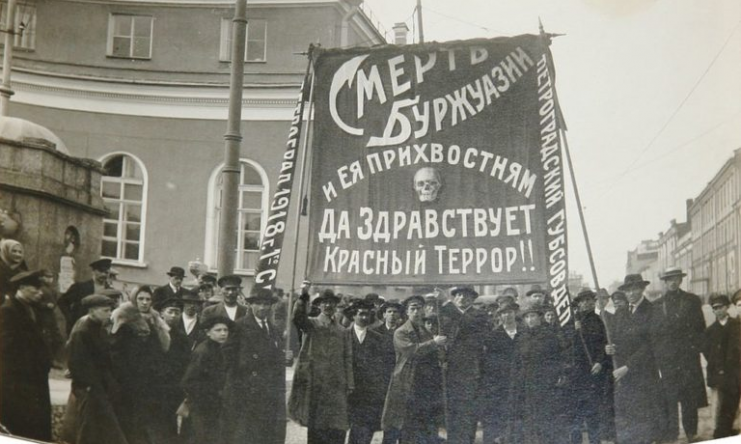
[{"x": 297, "y": 435}]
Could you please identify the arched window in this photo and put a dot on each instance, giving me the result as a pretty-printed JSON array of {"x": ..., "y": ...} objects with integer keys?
[
  {"x": 124, "y": 191},
  {"x": 251, "y": 214}
]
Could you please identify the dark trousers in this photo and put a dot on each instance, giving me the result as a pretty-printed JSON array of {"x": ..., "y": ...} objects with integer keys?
[
  {"x": 391, "y": 436},
  {"x": 689, "y": 418},
  {"x": 360, "y": 434},
  {"x": 419, "y": 431},
  {"x": 325, "y": 436},
  {"x": 727, "y": 408},
  {"x": 590, "y": 415}
]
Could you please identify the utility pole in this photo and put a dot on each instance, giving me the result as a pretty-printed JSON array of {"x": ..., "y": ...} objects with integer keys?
[
  {"x": 233, "y": 138},
  {"x": 419, "y": 22},
  {"x": 5, "y": 91}
]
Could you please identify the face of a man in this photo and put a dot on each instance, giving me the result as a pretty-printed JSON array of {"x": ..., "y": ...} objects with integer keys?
[
  {"x": 363, "y": 317},
  {"x": 537, "y": 298},
  {"x": 100, "y": 276},
  {"x": 100, "y": 314},
  {"x": 414, "y": 312},
  {"x": 31, "y": 293},
  {"x": 549, "y": 317},
  {"x": 230, "y": 293},
  {"x": 673, "y": 283},
  {"x": 634, "y": 294},
  {"x": 391, "y": 316},
  {"x": 218, "y": 333},
  {"x": 328, "y": 307},
  {"x": 532, "y": 319},
  {"x": 586, "y": 305},
  {"x": 144, "y": 301},
  {"x": 261, "y": 309},
  {"x": 463, "y": 300},
  {"x": 508, "y": 317},
  {"x": 620, "y": 303},
  {"x": 190, "y": 309},
  {"x": 171, "y": 315},
  {"x": 176, "y": 281},
  {"x": 720, "y": 311}
]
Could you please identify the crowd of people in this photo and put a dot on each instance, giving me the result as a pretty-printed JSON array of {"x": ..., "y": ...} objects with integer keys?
[{"x": 204, "y": 363}]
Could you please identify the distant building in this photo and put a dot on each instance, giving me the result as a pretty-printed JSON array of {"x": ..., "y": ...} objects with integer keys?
[
  {"x": 714, "y": 216},
  {"x": 644, "y": 259},
  {"x": 675, "y": 245},
  {"x": 142, "y": 87}
]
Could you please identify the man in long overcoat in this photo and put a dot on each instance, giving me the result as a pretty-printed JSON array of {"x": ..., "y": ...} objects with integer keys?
[
  {"x": 254, "y": 393},
  {"x": 172, "y": 289},
  {"x": 91, "y": 410},
  {"x": 677, "y": 334},
  {"x": 25, "y": 361},
  {"x": 589, "y": 371},
  {"x": 466, "y": 328},
  {"x": 323, "y": 376},
  {"x": 366, "y": 401},
  {"x": 639, "y": 413},
  {"x": 71, "y": 301},
  {"x": 414, "y": 399}
]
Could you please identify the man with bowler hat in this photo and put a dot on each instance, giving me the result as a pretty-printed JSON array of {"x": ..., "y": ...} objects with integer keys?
[
  {"x": 71, "y": 301},
  {"x": 722, "y": 350},
  {"x": 25, "y": 361},
  {"x": 230, "y": 287},
  {"x": 173, "y": 289},
  {"x": 254, "y": 409},
  {"x": 324, "y": 375},
  {"x": 677, "y": 335},
  {"x": 91, "y": 416},
  {"x": 189, "y": 323},
  {"x": 639, "y": 411},
  {"x": 466, "y": 327}
]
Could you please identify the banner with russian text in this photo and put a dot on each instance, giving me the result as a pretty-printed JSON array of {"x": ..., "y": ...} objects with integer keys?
[
  {"x": 271, "y": 246},
  {"x": 438, "y": 164}
]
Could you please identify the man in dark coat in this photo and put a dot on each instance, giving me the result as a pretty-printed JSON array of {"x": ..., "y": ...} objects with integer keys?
[
  {"x": 496, "y": 375},
  {"x": 390, "y": 313},
  {"x": 466, "y": 327},
  {"x": 722, "y": 350},
  {"x": 639, "y": 413},
  {"x": 174, "y": 364},
  {"x": 71, "y": 301},
  {"x": 228, "y": 307},
  {"x": 677, "y": 335},
  {"x": 173, "y": 289},
  {"x": 189, "y": 323},
  {"x": 414, "y": 398},
  {"x": 254, "y": 409},
  {"x": 323, "y": 376},
  {"x": 365, "y": 403},
  {"x": 91, "y": 410},
  {"x": 589, "y": 375},
  {"x": 25, "y": 361}
]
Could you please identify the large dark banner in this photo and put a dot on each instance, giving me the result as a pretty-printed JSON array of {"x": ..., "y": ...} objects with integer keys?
[{"x": 437, "y": 163}]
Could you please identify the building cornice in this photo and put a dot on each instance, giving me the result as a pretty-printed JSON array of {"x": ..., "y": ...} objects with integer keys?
[{"x": 151, "y": 99}]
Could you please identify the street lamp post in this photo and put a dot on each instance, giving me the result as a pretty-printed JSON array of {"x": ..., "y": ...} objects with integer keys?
[
  {"x": 233, "y": 138},
  {"x": 5, "y": 91}
]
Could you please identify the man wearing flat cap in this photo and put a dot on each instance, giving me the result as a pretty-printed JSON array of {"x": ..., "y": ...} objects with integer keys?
[
  {"x": 639, "y": 411},
  {"x": 172, "y": 289},
  {"x": 677, "y": 333},
  {"x": 589, "y": 370},
  {"x": 71, "y": 301},
  {"x": 25, "y": 361},
  {"x": 91, "y": 409},
  {"x": 254, "y": 393},
  {"x": 231, "y": 287},
  {"x": 324, "y": 376},
  {"x": 722, "y": 350},
  {"x": 466, "y": 327}
]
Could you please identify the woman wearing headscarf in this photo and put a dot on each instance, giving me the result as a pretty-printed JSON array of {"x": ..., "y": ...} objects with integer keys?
[
  {"x": 140, "y": 340},
  {"x": 11, "y": 263}
]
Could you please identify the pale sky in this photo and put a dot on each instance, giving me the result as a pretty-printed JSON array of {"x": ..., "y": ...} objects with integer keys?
[{"x": 651, "y": 92}]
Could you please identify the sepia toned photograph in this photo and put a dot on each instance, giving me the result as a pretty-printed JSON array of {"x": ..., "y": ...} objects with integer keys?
[{"x": 370, "y": 221}]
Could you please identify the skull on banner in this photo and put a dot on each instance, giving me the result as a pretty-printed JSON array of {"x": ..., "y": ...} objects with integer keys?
[{"x": 427, "y": 184}]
